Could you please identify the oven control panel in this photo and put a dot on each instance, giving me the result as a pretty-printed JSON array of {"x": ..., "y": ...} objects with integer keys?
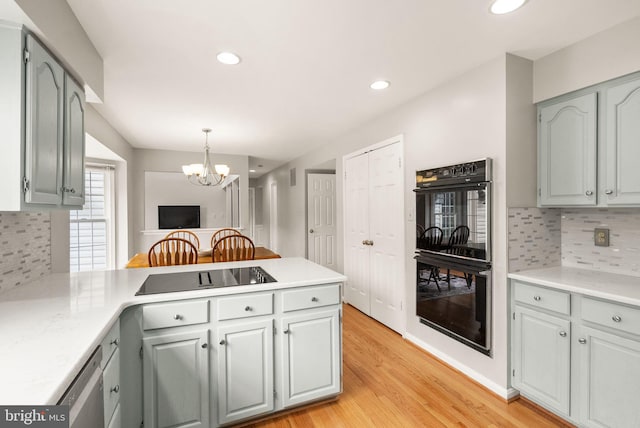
[{"x": 469, "y": 172}]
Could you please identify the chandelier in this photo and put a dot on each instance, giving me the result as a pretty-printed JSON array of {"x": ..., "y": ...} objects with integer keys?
[{"x": 202, "y": 174}]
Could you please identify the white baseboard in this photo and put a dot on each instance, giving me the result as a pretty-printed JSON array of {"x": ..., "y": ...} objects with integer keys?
[{"x": 506, "y": 393}]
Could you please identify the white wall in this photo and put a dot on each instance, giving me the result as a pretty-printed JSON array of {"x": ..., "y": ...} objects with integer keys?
[
  {"x": 172, "y": 188},
  {"x": 172, "y": 161},
  {"x": 462, "y": 120},
  {"x": 603, "y": 56}
]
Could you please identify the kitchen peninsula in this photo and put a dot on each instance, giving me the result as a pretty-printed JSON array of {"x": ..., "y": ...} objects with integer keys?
[{"x": 51, "y": 326}]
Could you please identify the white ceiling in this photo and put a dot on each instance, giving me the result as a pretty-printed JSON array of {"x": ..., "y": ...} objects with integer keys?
[{"x": 306, "y": 65}]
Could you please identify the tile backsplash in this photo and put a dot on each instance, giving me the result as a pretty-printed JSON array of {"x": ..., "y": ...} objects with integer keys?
[
  {"x": 543, "y": 237},
  {"x": 623, "y": 254},
  {"x": 534, "y": 238},
  {"x": 25, "y": 247}
]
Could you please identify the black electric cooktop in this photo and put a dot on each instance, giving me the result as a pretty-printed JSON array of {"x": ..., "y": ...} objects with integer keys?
[{"x": 185, "y": 281}]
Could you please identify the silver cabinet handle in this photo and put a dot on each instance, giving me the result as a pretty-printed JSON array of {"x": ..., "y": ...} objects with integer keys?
[
  {"x": 114, "y": 342},
  {"x": 364, "y": 242},
  {"x": 286, "y": 331},
  {"x": 616, "y": 318},
  {"x": 177, "y": 317},
  {"x": 582, "y": 340},
  {"x": 310, "y": 230},
  {"x": 563, "y": 334},
  {"x": 115, "y": 389},
  {"x": 371, "y": 243},
  {"x": 314, "y": 299},
  {"x": 204, "y": 346},
  {"x": 608, "y": 192},
  {"x": 588, "y": 193},
  {"x": 72, "y": 190},
  {"x": 223, "y": 342},
  {"x": 537, "y": 298},
  {"x": 248, "y": 308}
]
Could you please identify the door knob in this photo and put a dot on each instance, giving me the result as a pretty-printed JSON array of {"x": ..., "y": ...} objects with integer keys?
[
  {"x": 582, "y": 340},
  {"x": 563, "y": 334},
  {"x": 310, "y": 230},
  {"x": 588, "y": 193}
]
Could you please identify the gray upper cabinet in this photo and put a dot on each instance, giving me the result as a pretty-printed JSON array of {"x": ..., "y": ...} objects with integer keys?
[
  {"x": 567, "y": 152},
  {"x": 73, "y": 177},
  {"x": 42, "y": 122},
  {"x": 44, "y": 126},
  {"x": 588, "y": 146},
  {"x": 622, "y": 144}
]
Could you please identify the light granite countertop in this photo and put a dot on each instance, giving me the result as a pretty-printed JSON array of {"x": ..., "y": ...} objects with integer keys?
[
  {"x": 604, "y": 285},
  {"x": 49, "y": 327}
]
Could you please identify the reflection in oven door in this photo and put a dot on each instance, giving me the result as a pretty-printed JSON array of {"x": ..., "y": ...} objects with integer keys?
[{"x": 454, "y": 299}]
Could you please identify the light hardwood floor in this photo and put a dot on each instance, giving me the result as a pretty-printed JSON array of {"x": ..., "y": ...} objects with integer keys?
[{"x": 388, "y": 382}]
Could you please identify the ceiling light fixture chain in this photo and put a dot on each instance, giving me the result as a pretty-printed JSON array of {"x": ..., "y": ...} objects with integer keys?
[{"x": 204, "y": 174}]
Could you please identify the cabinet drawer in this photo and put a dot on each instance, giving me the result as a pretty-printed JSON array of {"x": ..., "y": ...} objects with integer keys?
[
  {"x": 110, "y": 343},
  {"x": 250, "y": 305},
  {"x": 610, "y": 314},
  {"x": 310, "y": 297},
  {"x": 111, "y": 384},
  {"x": 175, "y": 314},
  {"x": 541, "y": 297}
]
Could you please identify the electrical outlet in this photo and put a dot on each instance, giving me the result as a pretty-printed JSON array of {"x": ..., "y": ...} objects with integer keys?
[{"x": 601, "y": 237}]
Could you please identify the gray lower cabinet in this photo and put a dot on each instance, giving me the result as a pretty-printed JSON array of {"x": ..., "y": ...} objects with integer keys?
[
  {"x": 576, "y": 355},
  {"x": 609, "y": 379},
  {"x": 311, "y": 353},
  {"x": 541, "y": 357},
  {"x": 176, "y": 379},
  {"x": 245, "y": 370},
  {"x": 269, "y": 351}
]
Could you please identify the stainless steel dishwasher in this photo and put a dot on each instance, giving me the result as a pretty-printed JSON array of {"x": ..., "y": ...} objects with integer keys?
[{"x": 85, "y": 396}]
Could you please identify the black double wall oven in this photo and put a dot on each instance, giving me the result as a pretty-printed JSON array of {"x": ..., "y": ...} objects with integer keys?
[{"x": 453, "y": 251}]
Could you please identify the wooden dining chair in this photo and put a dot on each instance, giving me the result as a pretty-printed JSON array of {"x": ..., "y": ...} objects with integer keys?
[
  {"x": 431, "y": 238},
  {"x": 219, "y": 234},
  {"x": 172, "y": 251},
  {"x": 457, "y": 240},
  {"x": 185, "y": 234},
  {"x": 233, "y": 248}
]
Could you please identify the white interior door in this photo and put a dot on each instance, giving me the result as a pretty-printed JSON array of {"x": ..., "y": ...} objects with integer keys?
[
  {"x": 386, "y": 231},
  {"x": 321, "y": 219},
  {"x": 374, "y": 233},
  {"x": 356, "y": 224}
]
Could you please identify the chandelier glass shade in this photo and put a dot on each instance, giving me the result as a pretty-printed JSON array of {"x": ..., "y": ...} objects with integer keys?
[{"x": 203, "y": 174}]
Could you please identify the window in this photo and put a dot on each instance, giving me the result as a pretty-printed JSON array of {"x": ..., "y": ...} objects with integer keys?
[{"x": 91, "y": 231}]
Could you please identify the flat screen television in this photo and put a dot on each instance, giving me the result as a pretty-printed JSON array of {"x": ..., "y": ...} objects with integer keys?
[{"x": 179, "y": 216}]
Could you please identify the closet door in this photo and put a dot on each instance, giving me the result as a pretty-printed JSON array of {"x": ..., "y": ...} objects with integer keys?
[
  {"x": 386, "y": 235},
  {"x": 356, "y": 227},
  {"x": 374, "y": 234}
]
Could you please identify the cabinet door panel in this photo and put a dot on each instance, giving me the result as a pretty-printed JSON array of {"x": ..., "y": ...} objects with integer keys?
[
  {"x": 622, "y": 183},
  {"x": 356, "y": 211},
  {"x": 176, "y": 380},
  {"x": 73, "y": 177},
  {"x": 245, "y": 370},
  {"x": 541, "y": 358},
  {"x": 44, "y": 126},
  {"x": 567, "y": 158},
  {"x": 311, "y": 357},
  {"x": 610, "y": 380}
]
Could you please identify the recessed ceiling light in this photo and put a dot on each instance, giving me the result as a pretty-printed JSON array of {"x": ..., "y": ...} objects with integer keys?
[
  {"x": 500, "y": 7},
  {"x": 228, "y": 58},
  {"x": 380, "y": 84},
  {"x": 252, "y": 170}
]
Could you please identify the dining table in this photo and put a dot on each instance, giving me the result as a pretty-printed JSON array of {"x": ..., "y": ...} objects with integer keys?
[{"x": 141, "y": 260}]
